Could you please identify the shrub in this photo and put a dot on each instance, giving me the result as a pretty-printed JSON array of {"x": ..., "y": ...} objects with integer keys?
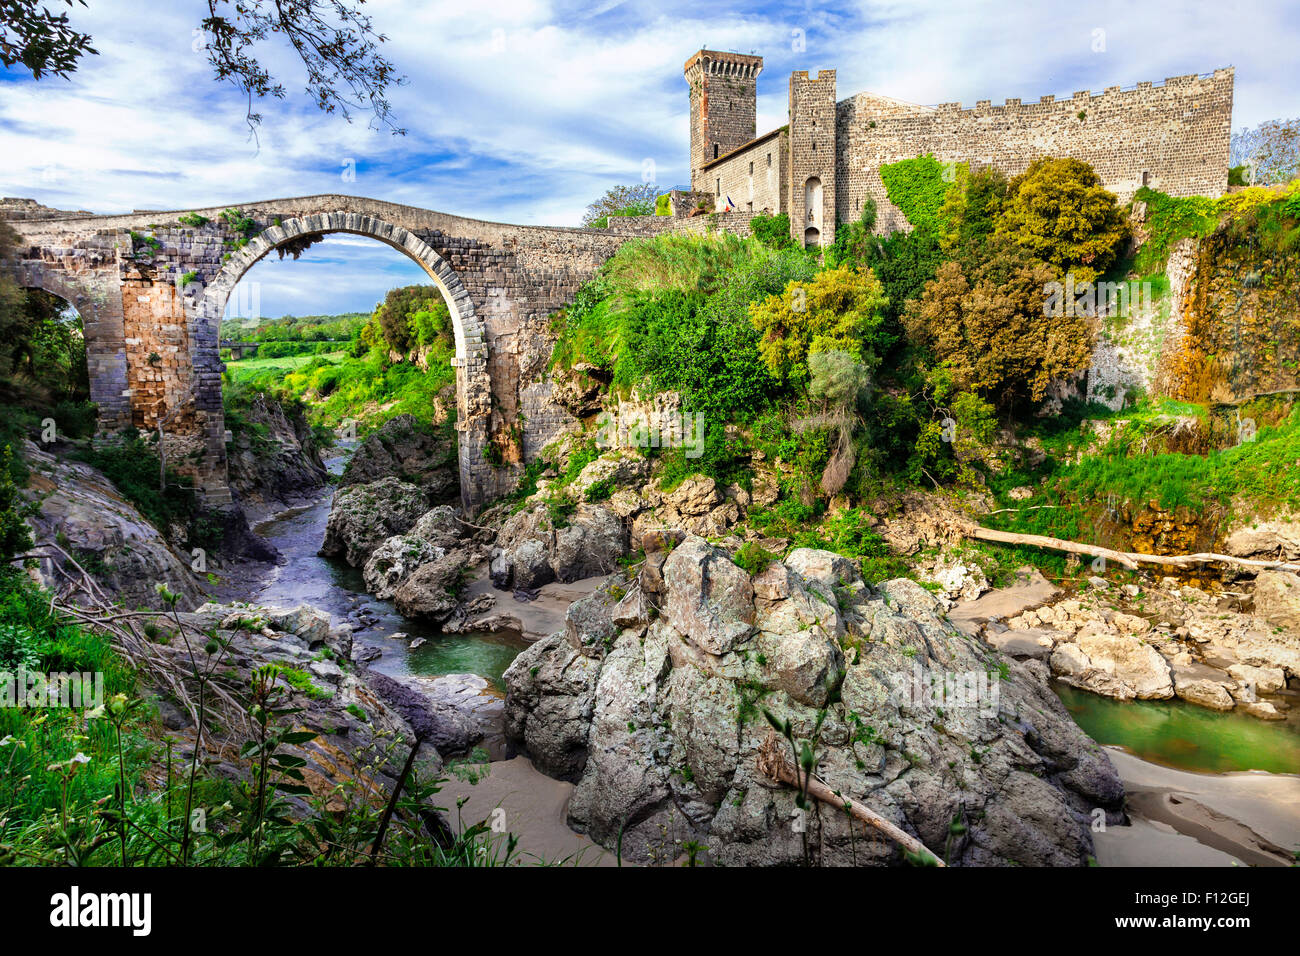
[
  {"x": 773, "y": 231},
  {"x": 753, "y": 558},
  {"x": 1058, "y": 212},
  {"x": 839, "y": 310}
]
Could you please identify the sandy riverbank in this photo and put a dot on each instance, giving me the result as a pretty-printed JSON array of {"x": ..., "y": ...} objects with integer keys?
[{"x": 1192, "y": 819}]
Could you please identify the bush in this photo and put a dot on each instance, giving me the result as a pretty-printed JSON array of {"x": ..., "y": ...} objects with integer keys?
[
  {"x": 1058, "y": 212},
  {"x": 839, "y": 310},
  {"x": 773, "y": 231}
]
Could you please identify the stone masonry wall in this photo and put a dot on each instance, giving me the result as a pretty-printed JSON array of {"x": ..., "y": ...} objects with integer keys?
[
  {"x": 813, "y": 136},
  {"x": 754, "y": 176},
  {"x": 723, "y": 106},
  {"x": 152, "y": 291},
  {"x": 1173, "y": 137}
]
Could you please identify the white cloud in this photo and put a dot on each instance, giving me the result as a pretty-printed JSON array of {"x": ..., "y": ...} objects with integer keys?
[{"x": 525, "y": 110}]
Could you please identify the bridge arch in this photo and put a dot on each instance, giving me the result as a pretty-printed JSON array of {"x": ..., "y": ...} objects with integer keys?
[{"x": 473, "y": 384}]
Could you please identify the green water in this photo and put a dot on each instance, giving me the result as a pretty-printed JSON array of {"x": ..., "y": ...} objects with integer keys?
[
  {"x": 1184, "y": 736},
  {"x": 487, "y": 655}
]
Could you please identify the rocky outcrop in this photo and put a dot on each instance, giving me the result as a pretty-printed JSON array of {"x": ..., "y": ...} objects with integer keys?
[
  {"x": 273, "y": 459},
  {"x": 1159, "y": 642},
  {"x": 1277, "y": 599},
  {"x": 658, "y": 716},
  {"x": 1277, "y": 537},
  {"x": 364, "y": 516},
  {"x": 390, "y": 564},
  {"x": 434, "y": 590},
  {"x": 405, "y": 449},
  {"x": 81, "y": 513},
  {"x": 533, "y": 548}
]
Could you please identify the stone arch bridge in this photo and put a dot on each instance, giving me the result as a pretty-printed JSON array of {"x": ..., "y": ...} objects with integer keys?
[{"x": 152, "y": 287}]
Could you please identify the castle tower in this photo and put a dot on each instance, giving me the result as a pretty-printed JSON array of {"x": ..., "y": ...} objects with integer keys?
[
  {"x": 812, "y": 158},
  {"x": 724, "y": 105}
]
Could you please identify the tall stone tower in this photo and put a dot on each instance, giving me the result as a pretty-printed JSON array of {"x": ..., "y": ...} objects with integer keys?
[
  {"x": 724, "y": 105},
  {"x": 812, "y": 158}
]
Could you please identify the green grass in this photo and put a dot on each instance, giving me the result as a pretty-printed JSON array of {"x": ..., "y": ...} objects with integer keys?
[
  {"x": 1256, "y": 476},
  {"x": 246, "y": 369}
]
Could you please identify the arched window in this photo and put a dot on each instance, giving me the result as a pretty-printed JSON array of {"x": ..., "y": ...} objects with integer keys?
[{"x": 812, "y": 203}]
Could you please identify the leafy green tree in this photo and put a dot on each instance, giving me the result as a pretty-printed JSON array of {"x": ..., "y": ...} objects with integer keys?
[
  {"x": 335, "y": 41},
  {"x": 1058, "y": 212},
  {"x": 839, "y": 310},
  {"x": 637, "y": 199}
]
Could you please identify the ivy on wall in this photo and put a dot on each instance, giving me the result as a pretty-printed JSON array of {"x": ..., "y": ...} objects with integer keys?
[{"x": 918, "y": 188}]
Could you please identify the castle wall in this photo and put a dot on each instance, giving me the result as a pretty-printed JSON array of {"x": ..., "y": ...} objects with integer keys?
[
  {"x": 813, "y": 135},
  {"x": 754, "y": 177},
  {"x": 1172, "y": 137}
]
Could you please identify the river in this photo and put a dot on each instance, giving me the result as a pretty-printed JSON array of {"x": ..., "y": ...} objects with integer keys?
[{"x": 1204, "y": 788}]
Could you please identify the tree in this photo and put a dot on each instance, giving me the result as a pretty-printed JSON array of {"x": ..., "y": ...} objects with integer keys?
[
  {"x": 1270, "y": 152},
  {"x": 42, "y": 41},
  {"x": 635, "y": 200},
  {"x": 335, "y": 41},
  {"x": 994, "y": 334},
  {"x": 839, "y": 310},
  {"x": 1059, "y": 213},
  {"x": 396, "y": 313}
]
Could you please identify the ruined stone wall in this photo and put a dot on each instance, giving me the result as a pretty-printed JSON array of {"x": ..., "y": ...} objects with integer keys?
[
  {"x": 724, "y": 104},
  {"x": 1173, "y": 137},
  {"x": 152, "y": 292}
]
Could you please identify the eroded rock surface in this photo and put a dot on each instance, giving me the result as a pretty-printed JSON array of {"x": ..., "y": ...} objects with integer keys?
[{"x": 654, "y": 706}]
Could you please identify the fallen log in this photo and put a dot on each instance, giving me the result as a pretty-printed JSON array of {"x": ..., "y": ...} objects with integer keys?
[
  {"x": 774, "y": 761},
  {"x": 1126, "y": 559}
]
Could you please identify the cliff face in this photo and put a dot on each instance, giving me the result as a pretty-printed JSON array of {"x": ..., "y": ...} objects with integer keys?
[
  {"x": 273, "y": 457},
  {"x": 1240, "y": 319},
  {"x": 84, "y": 518}
]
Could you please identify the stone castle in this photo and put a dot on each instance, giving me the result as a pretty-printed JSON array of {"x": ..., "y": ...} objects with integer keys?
[{"x": 822, "y": 165}]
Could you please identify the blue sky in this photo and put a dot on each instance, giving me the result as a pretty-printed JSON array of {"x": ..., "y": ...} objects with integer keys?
[{"x": 525, "y": 110}]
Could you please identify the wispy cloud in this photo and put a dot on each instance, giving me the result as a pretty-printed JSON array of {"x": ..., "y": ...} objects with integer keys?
[{"x": 525, "y": 110}]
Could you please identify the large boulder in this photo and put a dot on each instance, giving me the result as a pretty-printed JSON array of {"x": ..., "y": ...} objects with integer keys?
[
  {"x": 659, "y": 720},
  {"x": 390, "y": 564},
  {"x": 589, "y": 545},
  {"x": 434, "y": 590},
  {"x": 532, "y": 550},
  {"x": 1114, "y": 665},
  {"x": 1277, "y": 599},
  {"x": 710, "y": 598},
  {"x": 365, "y": 516},
  {"x": 407, "y": 449}
]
